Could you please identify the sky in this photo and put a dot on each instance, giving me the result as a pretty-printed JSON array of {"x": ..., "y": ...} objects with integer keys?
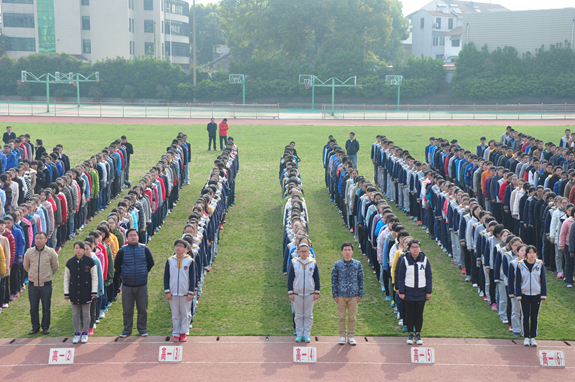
[{"x": 410, "y": 6}]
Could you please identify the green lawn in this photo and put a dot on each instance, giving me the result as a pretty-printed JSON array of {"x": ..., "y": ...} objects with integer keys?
[{"x": 245, "y": 294}]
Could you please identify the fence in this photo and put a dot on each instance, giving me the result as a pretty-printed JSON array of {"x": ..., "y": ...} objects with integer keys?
[
  {"x": 273, "y": 111},
  {"x": 497, "y": 111},
  {"x": 140, "y": 110}
]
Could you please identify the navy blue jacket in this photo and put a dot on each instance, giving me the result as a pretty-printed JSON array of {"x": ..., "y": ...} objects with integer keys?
[{"x": 134, "y": 262}]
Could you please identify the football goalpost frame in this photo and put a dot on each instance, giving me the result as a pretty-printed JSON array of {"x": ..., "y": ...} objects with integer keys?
[{"x": 312, "y": 81}]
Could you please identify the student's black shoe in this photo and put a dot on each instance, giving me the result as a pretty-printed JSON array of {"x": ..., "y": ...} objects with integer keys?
[
  {"x": 410, "y": 338},
  {"x": 33, "y": 331},
  {"x": 46, "y": 331}
]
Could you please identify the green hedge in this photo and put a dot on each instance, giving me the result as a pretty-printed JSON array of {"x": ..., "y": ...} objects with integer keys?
[
  {"x": 503, "y": 74},
  {"x": 154, "y": 78}
]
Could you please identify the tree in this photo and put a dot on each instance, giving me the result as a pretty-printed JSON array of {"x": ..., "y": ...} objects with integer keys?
[
  {"x": 208, "y": 31},
  {"x": 302, "y": 29}
]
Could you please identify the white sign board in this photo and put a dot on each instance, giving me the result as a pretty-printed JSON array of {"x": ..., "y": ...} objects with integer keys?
[
  {"x": 422, "y": 355},
  {"x": 61, "y": 356},
  {"x": 170, "y": 354},
  {"x": 304, "y": 354},
  {"x": 551, "y": 358}
]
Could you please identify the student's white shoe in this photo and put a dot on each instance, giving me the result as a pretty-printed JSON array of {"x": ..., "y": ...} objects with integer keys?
[
  {"x": 84, "y": 338},
  {"x": 76, "y": 338},
  {"x": 527, "y": 342},
  {"x": 400, "y": 323},
  {"x": 351, "y": 341},
  {"x": 533, "y": 342},
  {"x": 341, "y": 340},
  {"x": 102, "y": 314}
]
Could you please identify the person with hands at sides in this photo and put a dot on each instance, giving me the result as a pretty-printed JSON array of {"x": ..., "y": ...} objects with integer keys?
[
  {"x": 414, "y": 288},
  {"x": 531, "y": 289},
  {"x": 347, "y": 291},
  {"x": 41, "y": 263},
  {"x": 80, "y": 288},
  {"x": 303, "y": 290},
  {"x": 180, "y": 288}
]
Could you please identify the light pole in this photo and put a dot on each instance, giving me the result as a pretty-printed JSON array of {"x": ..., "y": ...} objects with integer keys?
[{"x": 194, "y": 38}]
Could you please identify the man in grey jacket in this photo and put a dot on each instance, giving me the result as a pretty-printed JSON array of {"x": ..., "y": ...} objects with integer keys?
[
  {"x": 41, "y": 262},
  {"x": 347, "y": 291}
]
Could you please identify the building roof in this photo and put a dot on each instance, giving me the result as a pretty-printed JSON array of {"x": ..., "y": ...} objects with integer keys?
[
  {"x": 456, "y": 8},
  {"x": 471, "y": 6},
  {"x": 455, "y": 32}
]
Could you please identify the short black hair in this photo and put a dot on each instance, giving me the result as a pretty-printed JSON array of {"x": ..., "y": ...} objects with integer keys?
[{"x": 347, "y": 244}]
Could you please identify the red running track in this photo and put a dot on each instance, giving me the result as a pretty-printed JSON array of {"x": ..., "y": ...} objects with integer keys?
[
  {"x": 289, "y": 122},
  {"x": 255, "y": 358}
]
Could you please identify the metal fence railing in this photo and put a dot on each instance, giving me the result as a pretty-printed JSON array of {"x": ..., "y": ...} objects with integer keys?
[
  {"x": 497, "y": 111},
  {"x": 275, "y": 111},
  {"x": 140, "y": 110}
]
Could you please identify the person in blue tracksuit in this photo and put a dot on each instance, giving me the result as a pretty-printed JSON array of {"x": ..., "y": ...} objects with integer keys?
[
  {"x": 530, "y": 282},
  {"x": 414, "y": 288}
]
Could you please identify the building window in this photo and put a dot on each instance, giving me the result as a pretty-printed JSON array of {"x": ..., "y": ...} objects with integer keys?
[
  {"x": 20, "y": 44},
  {"x": 179, "y": 49},
  {"x": 19, "y": 20},
  {"x": 442, "y": 41},
  {"x": 85, "y": 2},
  {"x": 422, "y": 23},
  {"x": 85, "y": 23},
  {"x": 148, "y": 26},
  {"x": 438, "y": 22},
  {"x": 162, "y": 28},
  {"x": 450, "y": 24},
  {"x": 46, "y": 26},
  {"x": 148, "y": 5},
  {"x": 133, "y": 25},
  {"x": 177, "y": 28},
  {"x": 129, "y": 25},
  {"x": 86, "y": 46},
  {"x": 177, "y": 7},
  {"x": 456, "y": 43},
  {"x": 149, "y": 48},
  {"x": 19, "y": 1}
]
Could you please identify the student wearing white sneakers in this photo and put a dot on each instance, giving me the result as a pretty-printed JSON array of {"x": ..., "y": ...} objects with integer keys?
[
  {"x": 414, "y": 281},
  {"x": 80, "y": 288},
  {"x": 303, "y": 290},
  {"x": 530, "y": 281}
]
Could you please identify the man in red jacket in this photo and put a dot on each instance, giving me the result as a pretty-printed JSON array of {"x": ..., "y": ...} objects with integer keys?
[{"x": 223, "y": 131}]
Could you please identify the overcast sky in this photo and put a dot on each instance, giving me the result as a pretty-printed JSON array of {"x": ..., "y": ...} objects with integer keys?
[{"x": 515, "y": 5}]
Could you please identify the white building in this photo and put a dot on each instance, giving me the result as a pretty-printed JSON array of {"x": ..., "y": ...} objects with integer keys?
[
  {"x": 98, "y": 29},
  {"x": 436, "y": 27}
]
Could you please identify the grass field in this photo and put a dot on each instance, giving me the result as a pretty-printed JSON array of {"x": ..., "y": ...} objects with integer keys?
[{"x": 245, "y": 294}]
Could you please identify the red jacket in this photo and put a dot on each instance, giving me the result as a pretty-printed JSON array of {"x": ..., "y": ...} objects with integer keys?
[{"x": 224, "y": 129}]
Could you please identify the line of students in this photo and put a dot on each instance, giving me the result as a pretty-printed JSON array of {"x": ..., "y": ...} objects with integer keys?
[
  {"x": 478, "y": 244},
  {"x": 144, "y": 209},
  {"x": 47, "y": 195},
  {"x": 299, "y": 263},
  {"x": 388, "y": 247},
  {"x": 196, "y": 250}
]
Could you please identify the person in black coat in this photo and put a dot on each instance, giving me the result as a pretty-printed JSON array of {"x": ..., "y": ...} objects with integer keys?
[
  {"x": 8, "y": 135},
  {"x": 80, "y": 287},
  {"x": 212, "y": 129},
  {"x": 414, "y": 289},
  {"x": 40, "y": 150}
]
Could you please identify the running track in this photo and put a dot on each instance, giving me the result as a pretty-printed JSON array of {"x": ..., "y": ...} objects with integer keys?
[
  {"x": 290, "y": 122},
  {"x": 263, "y": 358}
]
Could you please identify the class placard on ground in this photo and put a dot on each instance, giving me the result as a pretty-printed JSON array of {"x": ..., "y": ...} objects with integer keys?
[
  {"x": 422, "y": 355},
  {"x": 551, "y": 358},
  {"x": 61, "y": 356},
  {"x": 304, "y": 354},
  {"x": 170, "y": 354}
]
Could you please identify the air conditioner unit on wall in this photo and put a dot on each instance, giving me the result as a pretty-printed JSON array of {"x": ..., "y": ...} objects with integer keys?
[{"x": 436, "y": 25}]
